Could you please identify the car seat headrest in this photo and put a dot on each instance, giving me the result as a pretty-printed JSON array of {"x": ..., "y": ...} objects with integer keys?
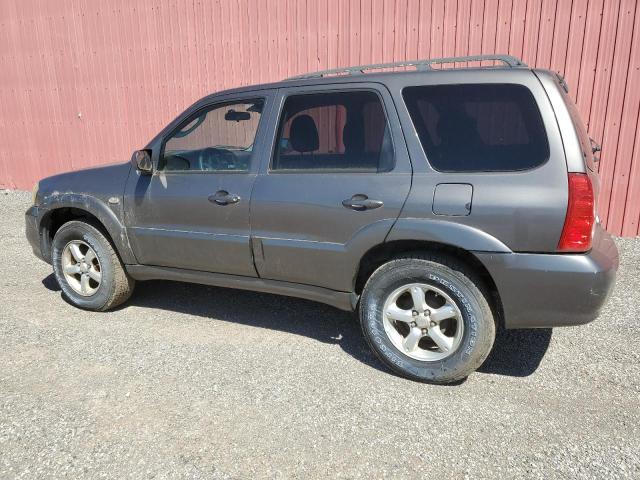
[{"x": 303, "y": 135}]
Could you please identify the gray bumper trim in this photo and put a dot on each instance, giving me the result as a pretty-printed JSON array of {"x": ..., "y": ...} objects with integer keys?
[
  {"x": 32, "y": 233},
  {"x": 552, "y": 290}
]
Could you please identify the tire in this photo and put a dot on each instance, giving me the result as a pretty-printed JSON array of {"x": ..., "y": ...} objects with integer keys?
[
  {"x": 443, "y": 279},
  {"x": 114, "y": 287}
]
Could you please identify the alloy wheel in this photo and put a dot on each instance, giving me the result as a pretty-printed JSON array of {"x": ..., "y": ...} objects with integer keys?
[
  {"x": 81, "y": 268},
  {"x": 423, "y": 322}
]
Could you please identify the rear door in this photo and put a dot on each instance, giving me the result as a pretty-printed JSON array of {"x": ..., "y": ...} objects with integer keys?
[{"x": 336, "y": 182}]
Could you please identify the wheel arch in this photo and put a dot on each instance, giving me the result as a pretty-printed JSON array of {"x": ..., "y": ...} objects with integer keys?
[
  {"x": 91, "y": 210},
  {"x": 384, "y": 252}
]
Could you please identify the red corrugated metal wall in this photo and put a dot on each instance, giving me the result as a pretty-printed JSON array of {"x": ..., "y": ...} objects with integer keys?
[{"x": 85, "y": 82}]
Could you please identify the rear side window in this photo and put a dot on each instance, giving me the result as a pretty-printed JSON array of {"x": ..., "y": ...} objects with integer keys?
[
  {"x": 345, "y": 131},
  {"x": 478, "y": 128}
]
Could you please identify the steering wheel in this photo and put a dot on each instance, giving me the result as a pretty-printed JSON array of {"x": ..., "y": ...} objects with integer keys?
[{"x": 212, "y": 158}]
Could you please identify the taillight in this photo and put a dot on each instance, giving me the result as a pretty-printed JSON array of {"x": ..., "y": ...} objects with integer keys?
[{"x": 577, "y": 233}]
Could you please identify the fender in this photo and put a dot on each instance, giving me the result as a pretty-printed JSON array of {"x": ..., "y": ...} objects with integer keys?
[
  {"x": 96, "y": 207},
  {"x": 357, "y": 247},
  {"x": 446, "y": 232}
]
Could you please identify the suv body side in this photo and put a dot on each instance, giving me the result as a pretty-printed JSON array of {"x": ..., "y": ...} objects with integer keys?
[{"x": 515, "y": 218}]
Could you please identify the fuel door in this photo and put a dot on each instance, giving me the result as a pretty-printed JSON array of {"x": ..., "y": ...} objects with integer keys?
[{"x": 453, "y": 199}]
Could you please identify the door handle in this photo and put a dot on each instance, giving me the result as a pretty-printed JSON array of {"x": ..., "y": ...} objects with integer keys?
[
  {"x": 222, "y": 197},
  {"x": 361, "y": 202}
]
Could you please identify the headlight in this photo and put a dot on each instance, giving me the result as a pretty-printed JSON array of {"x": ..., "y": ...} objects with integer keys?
[{"x": 34, "y": 193}]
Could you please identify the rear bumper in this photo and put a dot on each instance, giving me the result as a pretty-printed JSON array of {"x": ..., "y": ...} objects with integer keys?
[
  {"x": 31, "y": 219},
  {"x": 552, "y": 290}
]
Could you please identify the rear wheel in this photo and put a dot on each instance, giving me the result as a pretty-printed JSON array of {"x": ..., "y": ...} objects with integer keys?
[
  {"x": 87, "y": 267},
  {"x": 426, "y": 317}
]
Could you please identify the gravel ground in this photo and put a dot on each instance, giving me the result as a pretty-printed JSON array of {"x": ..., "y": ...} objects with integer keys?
[{"x": 188, "y": 381}]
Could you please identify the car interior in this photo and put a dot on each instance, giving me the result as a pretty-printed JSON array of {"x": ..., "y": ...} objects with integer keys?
[
  {"x": 334, "y": 131},
  {"x": 198, "y": 134}
]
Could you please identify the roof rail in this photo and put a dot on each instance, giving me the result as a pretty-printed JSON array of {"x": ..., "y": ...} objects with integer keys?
[{"x": 422, "y": 65}]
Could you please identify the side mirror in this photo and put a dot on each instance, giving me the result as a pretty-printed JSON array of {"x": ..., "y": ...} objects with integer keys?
[{"x": 141, "y": 159}]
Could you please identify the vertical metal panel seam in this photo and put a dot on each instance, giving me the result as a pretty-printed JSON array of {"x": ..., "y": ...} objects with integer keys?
[
  {"x": 595, "y": 65},
  {"x": 628, "y": 191},
  {"x": 622, "y": 111},
  {"x": 613, "y": 160},
  {"x": 566, "y": 60}
]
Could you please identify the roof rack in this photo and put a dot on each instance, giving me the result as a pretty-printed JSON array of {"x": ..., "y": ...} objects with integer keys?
[{"x": 421, "y": 65}]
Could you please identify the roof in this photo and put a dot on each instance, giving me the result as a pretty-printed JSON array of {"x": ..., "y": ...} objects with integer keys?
[
  {"x": 375, "y": 72},
  {"x": 420, "y": 65},
  {"x": 382, "y": 73}
]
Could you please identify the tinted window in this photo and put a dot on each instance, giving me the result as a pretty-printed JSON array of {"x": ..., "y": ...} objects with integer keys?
[
  {"x": 467, "y": 128},
  {"x": 334, "y": 131},
  {"x": 219, "y": 139}
]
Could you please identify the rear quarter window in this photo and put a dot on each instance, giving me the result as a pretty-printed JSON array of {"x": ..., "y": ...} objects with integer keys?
[{"x": 478, "y": 127}]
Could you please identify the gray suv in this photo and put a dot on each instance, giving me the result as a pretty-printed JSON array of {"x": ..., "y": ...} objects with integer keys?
[{"x": 440, "y": 203}]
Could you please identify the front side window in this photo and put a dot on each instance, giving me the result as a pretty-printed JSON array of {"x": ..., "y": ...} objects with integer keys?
[
  {"x": 346, "y": 131},
  {"x": 478, "y": 128},
  {"x": 219, "y": 139}
]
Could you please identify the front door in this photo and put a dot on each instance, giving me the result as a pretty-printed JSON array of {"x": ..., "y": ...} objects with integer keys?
[
  {"x": 193, "y": 212},
  {"x": 336, "y": 183}
]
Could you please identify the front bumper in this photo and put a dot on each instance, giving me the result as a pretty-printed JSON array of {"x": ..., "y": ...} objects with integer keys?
[
  {"x": 31, "y": 218},
  {"x": 552, "y": 290}
]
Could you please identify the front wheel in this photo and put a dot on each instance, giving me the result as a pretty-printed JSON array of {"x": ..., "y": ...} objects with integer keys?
[
  {"x": 87, "y": 267},
  {"x": 426, "y": 317}
]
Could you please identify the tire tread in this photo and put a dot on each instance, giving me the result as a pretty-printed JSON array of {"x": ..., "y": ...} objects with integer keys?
[
  {"x": 471, "y": 280},
  {"x": 123, "y": 284}
]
